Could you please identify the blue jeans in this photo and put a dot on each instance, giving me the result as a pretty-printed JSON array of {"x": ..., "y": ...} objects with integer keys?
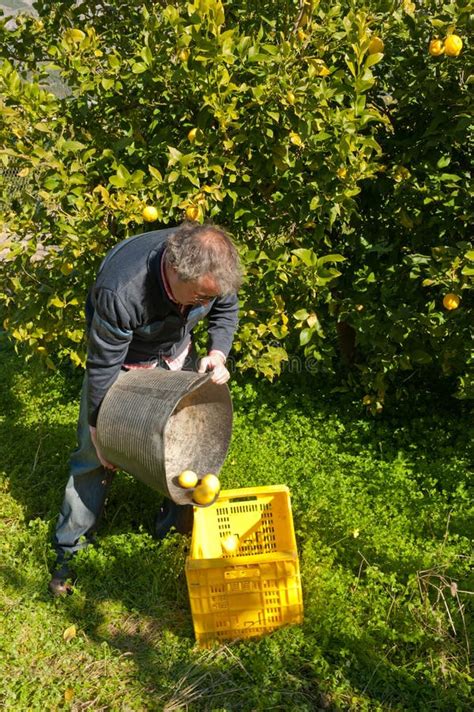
[
  {"x": 88, "y": 485},
  {"x": 85, "y": 494}
]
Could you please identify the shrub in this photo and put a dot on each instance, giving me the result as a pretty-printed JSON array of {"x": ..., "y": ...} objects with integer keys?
[{"x": 340, "y": 168}]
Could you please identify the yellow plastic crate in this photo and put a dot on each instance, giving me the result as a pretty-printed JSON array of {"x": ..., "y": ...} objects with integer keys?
[{"x": 255, "y": 589}]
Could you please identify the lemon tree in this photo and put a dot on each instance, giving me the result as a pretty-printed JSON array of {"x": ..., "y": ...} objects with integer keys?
[{"x": 330, "y": 137}]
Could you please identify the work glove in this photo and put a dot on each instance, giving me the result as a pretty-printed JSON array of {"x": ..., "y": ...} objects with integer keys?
[{"x": 215, "y": 363}]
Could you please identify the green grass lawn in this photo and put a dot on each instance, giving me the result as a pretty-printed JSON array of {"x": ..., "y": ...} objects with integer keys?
[{"x": 384, "y": 523}]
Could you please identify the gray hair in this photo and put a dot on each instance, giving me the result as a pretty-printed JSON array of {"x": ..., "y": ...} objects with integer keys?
[{"x": 195, "y": 251}]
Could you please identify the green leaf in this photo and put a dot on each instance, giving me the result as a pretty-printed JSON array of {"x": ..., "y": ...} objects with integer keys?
[
  {"x": 305, "y": 336},
  {"x": 308, "y": 257},
  {"x": 155, "y": 173},
  {"x": 301, "y": 315},
  {"x": 139, "y": 68},
  {"x": 330, "y": 258}
]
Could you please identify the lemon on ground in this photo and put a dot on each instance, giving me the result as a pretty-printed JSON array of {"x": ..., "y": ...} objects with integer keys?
[
  {"x": 192, "y": 213},
  {"x": 452, "y": 45},
  {"x": 451, "y": 301},
  {"x": 203, "y": 495},
  {"x": 187, "y": 479},
  {"x": 376, "y": 45},
  {"x": 150, "y": 213},
  {"x": 436, "y": 48},
  {"x": 212, "y": 482},
  {"x": 230, "y": 544}
]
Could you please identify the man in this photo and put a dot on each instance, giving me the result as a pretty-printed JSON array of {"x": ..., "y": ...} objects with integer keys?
[{"x": 150, "y": 292}]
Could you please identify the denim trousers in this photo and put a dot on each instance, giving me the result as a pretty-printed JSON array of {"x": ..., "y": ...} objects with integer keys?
[{"x": 87, "y": 487}]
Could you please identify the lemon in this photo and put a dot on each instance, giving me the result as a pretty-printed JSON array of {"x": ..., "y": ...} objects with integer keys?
[
  {"x": 452, "y": 45},
  {"x": 187, "y": 479},
  {"x": 451, "y": 301},
  {"x": 295, "y": 139},
  {"x": 376, "y": 45},
  {"x": 192, "y": 135},
  {"x": 150, "y": 213},
  {"x": 436, "y": 48},
  {"x": 192, "y": 212},
  {"x": 203, "y": 495},
  {"x": 290, "y": 97},
  {"x": 184, "y": 55},
  {"x": 212, "y": 482},
  {"x": 67, "y": 268},
  {"x": 230, "y": 544}
]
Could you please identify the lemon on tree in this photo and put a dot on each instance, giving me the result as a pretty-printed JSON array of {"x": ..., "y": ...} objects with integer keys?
[
  {"x": 452, "y": 45},
  {"x": 451, "y": 301},
  {"x": 150, "y": 213},
  {"x": 436, "y": 48},
  {"x": 187, "y": 479},
  {"x": 192, "y": 135},
  {"x": 192, "y": 212},
  {"x": 376, "y": 45}
]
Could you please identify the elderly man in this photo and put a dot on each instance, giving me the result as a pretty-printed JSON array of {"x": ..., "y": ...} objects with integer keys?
[{"x": 150, "y": 292}]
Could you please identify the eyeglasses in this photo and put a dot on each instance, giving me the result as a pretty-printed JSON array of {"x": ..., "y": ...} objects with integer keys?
[{"x": 203, "y": 298}]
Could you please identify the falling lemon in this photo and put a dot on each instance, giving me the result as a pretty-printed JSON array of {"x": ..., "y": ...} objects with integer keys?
[
  {"x": 187, "y": 479},
  {"x": 203, "y": 494},
  {"x": 452, "y": 45},
  {"x": 230, "y": 544},
  {"x": 150, "y": 213},
  {"x": 436, "y": 48},
  {"x": 451, "y": 301},
  {"x": 212, "y": 482}
]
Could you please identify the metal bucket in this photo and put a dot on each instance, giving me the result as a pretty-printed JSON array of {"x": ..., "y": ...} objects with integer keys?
[{"x": 156, "y": 423}]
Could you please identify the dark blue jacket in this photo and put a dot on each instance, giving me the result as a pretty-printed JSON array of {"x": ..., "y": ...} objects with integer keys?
[{"x": 130, "y": 318}]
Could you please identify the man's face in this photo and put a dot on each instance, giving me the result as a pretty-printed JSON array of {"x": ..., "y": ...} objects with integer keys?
[{"x": 199, "y": 291}]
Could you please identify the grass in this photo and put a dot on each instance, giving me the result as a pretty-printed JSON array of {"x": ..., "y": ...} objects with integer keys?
[{"x": 383, "y": 515}]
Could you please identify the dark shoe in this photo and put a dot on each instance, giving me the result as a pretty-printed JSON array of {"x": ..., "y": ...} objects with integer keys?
[
  {"x": 62, "y": 581},
  {"x": 173, "y": 515}
]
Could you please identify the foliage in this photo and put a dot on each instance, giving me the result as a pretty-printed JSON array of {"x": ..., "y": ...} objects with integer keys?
[
  {"x": 383, "y": 516},
  {"x": 342, "y": 172}
]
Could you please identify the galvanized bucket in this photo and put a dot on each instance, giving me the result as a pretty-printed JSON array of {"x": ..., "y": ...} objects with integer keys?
[{"x": 156, "y": 423}]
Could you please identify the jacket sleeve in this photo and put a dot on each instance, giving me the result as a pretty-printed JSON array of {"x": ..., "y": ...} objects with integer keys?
[
  {"x": 223, "y": 321},
  {"x": 110, "y": 334}
]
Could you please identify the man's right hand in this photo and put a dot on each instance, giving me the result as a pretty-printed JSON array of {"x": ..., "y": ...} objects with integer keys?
[{"x": 105, "y": 463}]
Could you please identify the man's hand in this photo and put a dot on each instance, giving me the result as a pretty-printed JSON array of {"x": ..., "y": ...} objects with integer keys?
[
  {"x": 215, "y": 362},
  {"x": 105, "y": 463}
]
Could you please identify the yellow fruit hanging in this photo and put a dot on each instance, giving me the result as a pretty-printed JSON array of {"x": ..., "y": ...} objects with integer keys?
[{"x": 452, "y": 45}]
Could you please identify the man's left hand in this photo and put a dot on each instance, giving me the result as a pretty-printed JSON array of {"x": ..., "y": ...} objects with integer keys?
[{"x": 215, "y": 362}]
